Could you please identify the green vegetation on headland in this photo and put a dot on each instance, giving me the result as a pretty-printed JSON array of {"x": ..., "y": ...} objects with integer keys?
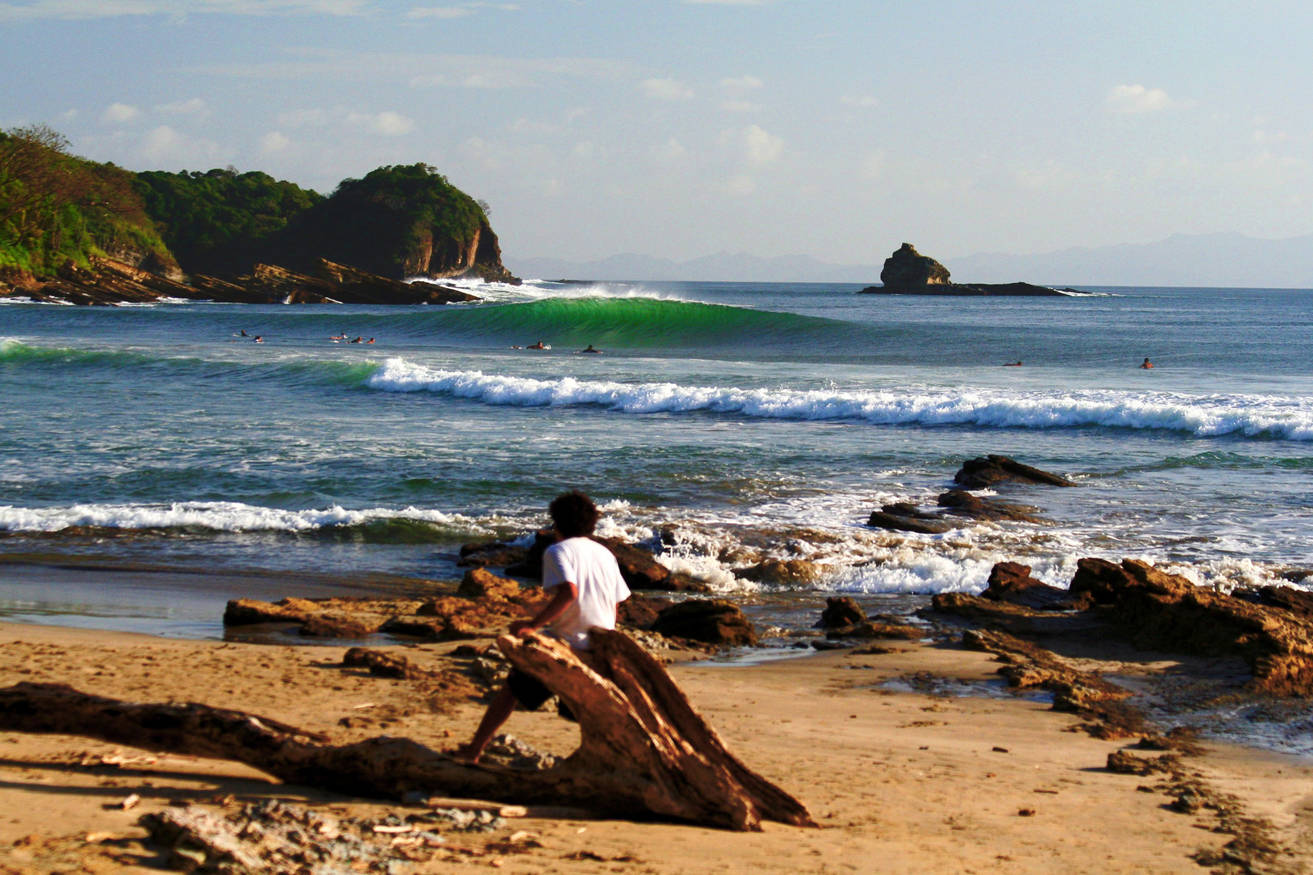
[
  {"x": 220, "y": 219},
  {"x": 79, "y": 230},
  {"x": 56, "y": 208}
]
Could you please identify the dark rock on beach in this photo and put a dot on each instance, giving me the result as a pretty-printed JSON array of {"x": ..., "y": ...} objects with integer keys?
[
  {"x": 482, "y": 606},
  {"x": 638, "y": 566},
  {"x": 841, "y": 611},
  {"x": 880, "y": 627},
  {"x": 906, "y": 517},
  {"x": 987, "y": 471},
  {"x": 109, "y": 282},
  {"x": 711, "y": 621},
  {"x": 1270, "y": 629},
  {"x": 640, "y": 611},
  {"x": 956, "y": 505},
  {"x": 959, "y": 502},
  {"x": 1272, "y": 633},
  {"x": 781, "y": 571},
  {"x": 1011, "y": 582},
  {"x": 1012, "y": 618},
  {"x": 333, "y": 283},
  {"x": 908, "y": 272}
]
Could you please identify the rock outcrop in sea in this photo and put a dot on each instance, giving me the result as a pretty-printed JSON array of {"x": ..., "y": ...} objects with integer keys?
[
  {"x": 959, "y": 507},
  {"x": 908, "y": 272}
]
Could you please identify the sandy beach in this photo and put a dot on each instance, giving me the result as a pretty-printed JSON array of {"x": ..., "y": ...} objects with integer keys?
[{"x": 902, "y": 776}]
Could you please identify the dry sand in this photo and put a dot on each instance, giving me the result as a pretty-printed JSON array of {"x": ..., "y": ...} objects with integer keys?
[{"x": 901, "y": 781}]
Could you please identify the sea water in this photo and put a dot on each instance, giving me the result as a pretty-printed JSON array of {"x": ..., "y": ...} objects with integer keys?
[{"x": 723, "y": 423}]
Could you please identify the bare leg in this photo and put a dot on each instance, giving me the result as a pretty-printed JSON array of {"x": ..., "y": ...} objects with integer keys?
[{"x": 499, "y": 709}]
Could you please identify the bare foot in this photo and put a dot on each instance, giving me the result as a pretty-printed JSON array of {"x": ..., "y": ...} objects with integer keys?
[{"x": 466, "y": 753}]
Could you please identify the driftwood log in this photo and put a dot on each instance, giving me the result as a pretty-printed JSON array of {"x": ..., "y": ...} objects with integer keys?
[{"x": 644, "y": 750}]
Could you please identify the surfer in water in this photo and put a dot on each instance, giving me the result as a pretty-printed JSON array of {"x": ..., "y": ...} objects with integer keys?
[
  {"x": 1146, "y": 364},
  {"x": 592, "y": 349},
  {"x": 538, "y": 345}
]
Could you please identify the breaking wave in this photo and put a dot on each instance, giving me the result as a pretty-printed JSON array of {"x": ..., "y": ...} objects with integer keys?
[
  {"x": 1271, "y": 417},
  {"x": 372, "y": 525}
]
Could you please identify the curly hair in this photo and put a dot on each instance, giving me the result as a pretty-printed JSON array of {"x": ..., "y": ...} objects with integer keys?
[{"x": 573, "y": 514}]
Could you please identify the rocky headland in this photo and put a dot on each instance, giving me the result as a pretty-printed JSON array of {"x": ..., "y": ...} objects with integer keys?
[
  {"x": 77, "y": 232},
  {"x": 908, "y": 272}
]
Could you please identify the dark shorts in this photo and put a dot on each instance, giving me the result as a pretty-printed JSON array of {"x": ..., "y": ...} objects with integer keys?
[{"x": 528, "y": 690}]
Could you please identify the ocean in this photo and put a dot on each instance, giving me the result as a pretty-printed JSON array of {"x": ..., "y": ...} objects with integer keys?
[{"x": 723, "y": 423}]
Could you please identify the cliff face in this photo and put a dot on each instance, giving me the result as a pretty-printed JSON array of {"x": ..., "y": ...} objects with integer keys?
[
  {"x": 479, "y": 256},
  {"x": 399, "y": 222}
]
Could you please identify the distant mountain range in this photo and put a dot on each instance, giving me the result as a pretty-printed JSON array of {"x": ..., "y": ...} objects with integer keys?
[{"x": 1181, "y": 260}]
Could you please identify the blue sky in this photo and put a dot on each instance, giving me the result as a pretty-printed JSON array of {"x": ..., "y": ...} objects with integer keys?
[{"x": 682, "y": 128}]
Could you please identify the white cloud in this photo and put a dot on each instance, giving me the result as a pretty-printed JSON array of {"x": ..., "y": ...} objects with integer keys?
[
  {"x": 193, "y": 107},
  {"x": 303, "y": 118},
  {"x": 760, "y": 147},
  {"x": 740, "y": 106},
  {"x": 1049, "y": 176},
  {"x": 165, "y": 146},
  {"x": 873, "y": 165},
  {"x": 387, "y": 123},
  {"x": 460, "y": 11},
  {"x": 1136, "y": 99},
  {"x": 419, "y": 70},
  {"x": 859, "y": 101},
  {"x": 739, "y": 85},
  {"x": 444, "y": 12},
  {"x": 666, "y": 89},
  {"x": 119, "y": 113},
  {"x": 529, "y": 126},
  {"x": 274, "y": 141},
  {"x": 670, "y": 150},
  {"x": 740, "y": 185},
  {"x": 489, "y": 155},
  {"x": 78, "y": 10},
  {"x": 726, "y": 2},
  {"x": 586, "y": 150}
]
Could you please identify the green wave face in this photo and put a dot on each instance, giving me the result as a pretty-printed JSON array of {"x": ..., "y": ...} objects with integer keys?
[
  {"x": 21, "y": 356},
  {"x": 631, "y": 323}
]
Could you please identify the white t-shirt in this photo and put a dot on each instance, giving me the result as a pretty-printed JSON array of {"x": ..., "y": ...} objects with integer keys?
[{"x": 593, "y": 571}]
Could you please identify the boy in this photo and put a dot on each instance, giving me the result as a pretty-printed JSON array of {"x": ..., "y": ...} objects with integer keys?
[{"x": 586, "y": 586}]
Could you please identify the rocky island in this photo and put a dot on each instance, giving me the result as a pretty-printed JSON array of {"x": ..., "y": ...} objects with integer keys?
[
  {"x": 908, "y": 272},
  {"x": 78, "y": 232}
]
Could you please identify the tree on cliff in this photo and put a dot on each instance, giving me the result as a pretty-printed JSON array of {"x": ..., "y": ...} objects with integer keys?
[
  {"x": 222, "y": 221},
  {"x": 57, "y": 208},
  {"x": 398, "y": 221}
]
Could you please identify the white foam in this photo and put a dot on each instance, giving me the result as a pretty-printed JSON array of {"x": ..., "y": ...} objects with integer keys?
[
  {"x": 1203, "y": 415},
  {"x": 219, "y": 516},
  {"x": 541, "y": 290}
]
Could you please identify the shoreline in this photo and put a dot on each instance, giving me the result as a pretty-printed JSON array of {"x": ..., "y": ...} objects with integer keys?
[{"x": 892, "y": 770}]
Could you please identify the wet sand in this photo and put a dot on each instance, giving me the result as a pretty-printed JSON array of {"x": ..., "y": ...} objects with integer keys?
[{"x": 900, "y": 778}]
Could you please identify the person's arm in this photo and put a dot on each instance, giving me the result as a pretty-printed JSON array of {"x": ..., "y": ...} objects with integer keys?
[{"x": 563, "y": 595}]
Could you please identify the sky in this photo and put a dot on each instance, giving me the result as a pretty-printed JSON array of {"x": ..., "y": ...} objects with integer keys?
[{"x": 684, "y": 128}]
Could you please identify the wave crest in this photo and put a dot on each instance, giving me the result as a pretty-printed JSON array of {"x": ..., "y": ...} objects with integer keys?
[{"x": 1209, "y": 416}]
